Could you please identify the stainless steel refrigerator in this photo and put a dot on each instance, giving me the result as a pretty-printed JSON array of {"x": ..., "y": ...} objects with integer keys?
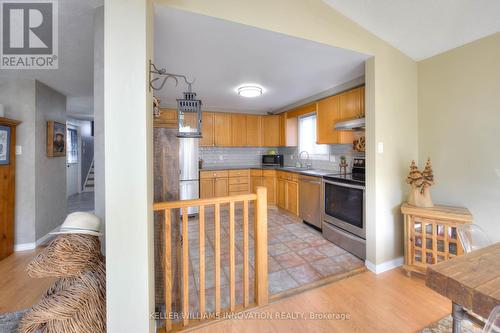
[{"x": 189, "y": 182}]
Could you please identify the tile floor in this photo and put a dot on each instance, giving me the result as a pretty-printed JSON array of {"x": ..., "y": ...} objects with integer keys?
[{"x": 298, "y": 255}]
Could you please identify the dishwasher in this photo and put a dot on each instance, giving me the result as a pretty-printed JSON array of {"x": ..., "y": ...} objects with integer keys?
[{"x": 310, "y": 200}]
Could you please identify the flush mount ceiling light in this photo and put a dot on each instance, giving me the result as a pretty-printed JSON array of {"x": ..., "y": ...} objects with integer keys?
[{"x": 250, "y": 90}]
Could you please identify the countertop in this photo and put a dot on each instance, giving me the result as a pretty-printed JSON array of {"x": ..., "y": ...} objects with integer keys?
[{"x": 302, "y": 171}]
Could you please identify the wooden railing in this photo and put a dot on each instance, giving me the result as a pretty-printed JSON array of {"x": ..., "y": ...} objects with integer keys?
[{"x": 260, "y": 252}]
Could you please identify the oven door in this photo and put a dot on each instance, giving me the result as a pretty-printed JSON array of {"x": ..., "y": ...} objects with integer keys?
[{"x": 343, "y": 205}]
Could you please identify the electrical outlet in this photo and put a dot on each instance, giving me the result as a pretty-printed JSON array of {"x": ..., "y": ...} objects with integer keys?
[
  {"x": 332, "y": 158},
  {"x": 221, "y": 158},
  {"x": 497, "y": 171},
  {"x": 19, "y": 150},
  {"x": 380, "y": 147}
]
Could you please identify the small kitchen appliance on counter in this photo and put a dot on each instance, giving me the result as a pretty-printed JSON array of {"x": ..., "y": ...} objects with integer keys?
[
  {"x": 343, "y": 209},
  {"x": 275, "y": 160}
]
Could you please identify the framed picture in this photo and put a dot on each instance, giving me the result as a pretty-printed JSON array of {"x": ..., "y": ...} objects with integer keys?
[
  {"x": 56, "y": 139},
  {"x": 4, "y": 145}
]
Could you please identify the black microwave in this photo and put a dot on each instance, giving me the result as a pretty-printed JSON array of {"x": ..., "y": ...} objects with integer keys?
[{"x": 272, "y": 160}]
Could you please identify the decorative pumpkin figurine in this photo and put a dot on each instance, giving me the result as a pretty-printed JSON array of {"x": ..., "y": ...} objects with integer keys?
[
  {"x": 76, "y": 302},
  {"x": 420, "y": 182}
]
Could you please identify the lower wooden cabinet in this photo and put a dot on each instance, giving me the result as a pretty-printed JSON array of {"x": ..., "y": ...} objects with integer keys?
[
  {"x": 282, "y": 187},
  {"x": 221, "y": 187},
  {"x": 287, "y": 189},
  {"x": 206, "y": 188}
]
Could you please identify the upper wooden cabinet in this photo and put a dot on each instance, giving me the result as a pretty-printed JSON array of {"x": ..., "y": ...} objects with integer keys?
[
  {"x": 271, "y": 131},
  {"x": 347, "y": 105},
  {"x": 222, "y": 129},
  {"x": 327, "y": 115},
  {"x": 238, "y": 130},
  {"x": 288, "y": 130},
  {"x": 207, "y": 129},
  {"x": 253, "y": 130},
  {"x": 167, "y": 119}
]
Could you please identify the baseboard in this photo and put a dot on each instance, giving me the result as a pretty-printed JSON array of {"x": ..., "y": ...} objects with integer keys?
[
  {"x": 24, "y": 247},
  {"x": 31, "y": 246},
  {"x": 385, "y": 266},
  {"x": 45, "y": 238}
]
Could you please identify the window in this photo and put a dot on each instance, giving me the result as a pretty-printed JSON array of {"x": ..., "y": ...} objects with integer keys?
[
  {"x": 72, "y": 142},
  {"x": 307, "y": 138}
]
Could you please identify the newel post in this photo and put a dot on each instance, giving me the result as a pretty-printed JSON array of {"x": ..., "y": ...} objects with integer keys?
[{"x": 260, "y": 247}]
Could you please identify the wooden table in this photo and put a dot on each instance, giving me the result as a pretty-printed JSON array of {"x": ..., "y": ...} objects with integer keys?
[{"x": 471, "y": 281}]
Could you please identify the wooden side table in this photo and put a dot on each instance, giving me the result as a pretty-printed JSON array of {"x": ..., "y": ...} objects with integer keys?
[{"x": 430, "y": 235}]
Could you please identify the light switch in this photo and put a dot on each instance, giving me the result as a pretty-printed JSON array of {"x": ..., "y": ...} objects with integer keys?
[
  {"x": 380, "y": 147},
  {"x": 19, "y": 150},
  {"x": 497, "y": 171}
]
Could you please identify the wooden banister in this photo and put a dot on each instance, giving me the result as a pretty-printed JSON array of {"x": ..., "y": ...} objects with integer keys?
[{"x": 260, "y": 247}]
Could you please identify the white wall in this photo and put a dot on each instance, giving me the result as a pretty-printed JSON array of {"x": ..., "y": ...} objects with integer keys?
[
  {"x": 18, "y": 97},
  {"x": 99, "y": 177},
  {"x": 128, "y": 169},
  {"x": 50, "y": 195},
  {"x": 459, "y": 128}
]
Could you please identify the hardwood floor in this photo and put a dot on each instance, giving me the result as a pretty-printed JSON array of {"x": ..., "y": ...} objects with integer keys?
[
  {"x": 388, "y": 302},
  {"x": 17, "y": 290}
]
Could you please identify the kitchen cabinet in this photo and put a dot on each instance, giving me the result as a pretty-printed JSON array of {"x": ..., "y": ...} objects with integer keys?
[
  {"x": 271, "y": 131},
  {"x": 239, "y": 182},
  {"x": 221, "y": 187},
  {"x": 253, "y": 131},
  {"x": 206, "y": 188},
  {"x": 255, "y": 180},
  {"x": 269, "y": 182},
  {"x": 281, "y": 193},
  {"x": 287, "y": 189},
  {"x": 347, "y": 105},
  {"x": 288, "y": 131},
  {"x": 207, "y": 129},
  {"x": 327, "y": 115},
  {"x": 167, "y": 119},
  {"x": 292, "y": 197},
  {"x": 238, "y": 130},
  {"x": 222, "y": 129}
]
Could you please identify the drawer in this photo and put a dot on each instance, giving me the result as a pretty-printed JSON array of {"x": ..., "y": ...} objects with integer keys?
[
  {"x": 256, "y": 173},
  {"x": 213, "y": 174},
  {"x": 238, "y": 187},
  {"x": 269, "y": 173},
  {"x": 239, "y": 173},
  {"x": 238, "y": 180},
  {"x": 237, "y": 192}
]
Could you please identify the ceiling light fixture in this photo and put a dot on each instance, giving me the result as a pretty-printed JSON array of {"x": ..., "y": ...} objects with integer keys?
[{"x": 250, "y": 90}]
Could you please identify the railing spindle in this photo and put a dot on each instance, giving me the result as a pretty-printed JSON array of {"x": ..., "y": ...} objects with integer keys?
[
  {"x": 168, "y": 268},
  {"x": 245, "y": 254},
  {"x": 217, "y": 257},
  {"x": 185, "y": 267},
  {"x": 260, "y": 247},
  {"x": 232, "y": 301},
  {"x": 202, "y": 259}
]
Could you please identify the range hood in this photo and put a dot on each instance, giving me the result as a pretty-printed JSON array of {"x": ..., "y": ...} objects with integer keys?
[{"x": 356, "y": 124}]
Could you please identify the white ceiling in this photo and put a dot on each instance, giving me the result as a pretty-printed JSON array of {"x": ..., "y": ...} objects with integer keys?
[
  {"x": 75, "y": 75},
  {"x": 221, "y": 55},
  {"x": 424, "y": 28}
]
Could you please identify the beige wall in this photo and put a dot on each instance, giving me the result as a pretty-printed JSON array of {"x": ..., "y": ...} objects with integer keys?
[
  {"x": 391, "y": 104},
  {"x": 459, "y": 128}
]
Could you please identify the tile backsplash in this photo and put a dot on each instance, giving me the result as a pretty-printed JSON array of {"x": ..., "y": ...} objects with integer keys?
[
  {"x": 324, "y": 162},
  {"x": 233, "y": 157},
  {"x": 251, "y": 157}
]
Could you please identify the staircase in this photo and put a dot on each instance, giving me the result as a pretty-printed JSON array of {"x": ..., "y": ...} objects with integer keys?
[{"x": 89, "y": 181}]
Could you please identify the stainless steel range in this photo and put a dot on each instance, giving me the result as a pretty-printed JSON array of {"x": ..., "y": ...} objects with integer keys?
[{"x": 343, "y": 209}]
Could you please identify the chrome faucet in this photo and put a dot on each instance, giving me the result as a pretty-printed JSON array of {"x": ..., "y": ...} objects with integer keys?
[{"x": 308, "y": 165}]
